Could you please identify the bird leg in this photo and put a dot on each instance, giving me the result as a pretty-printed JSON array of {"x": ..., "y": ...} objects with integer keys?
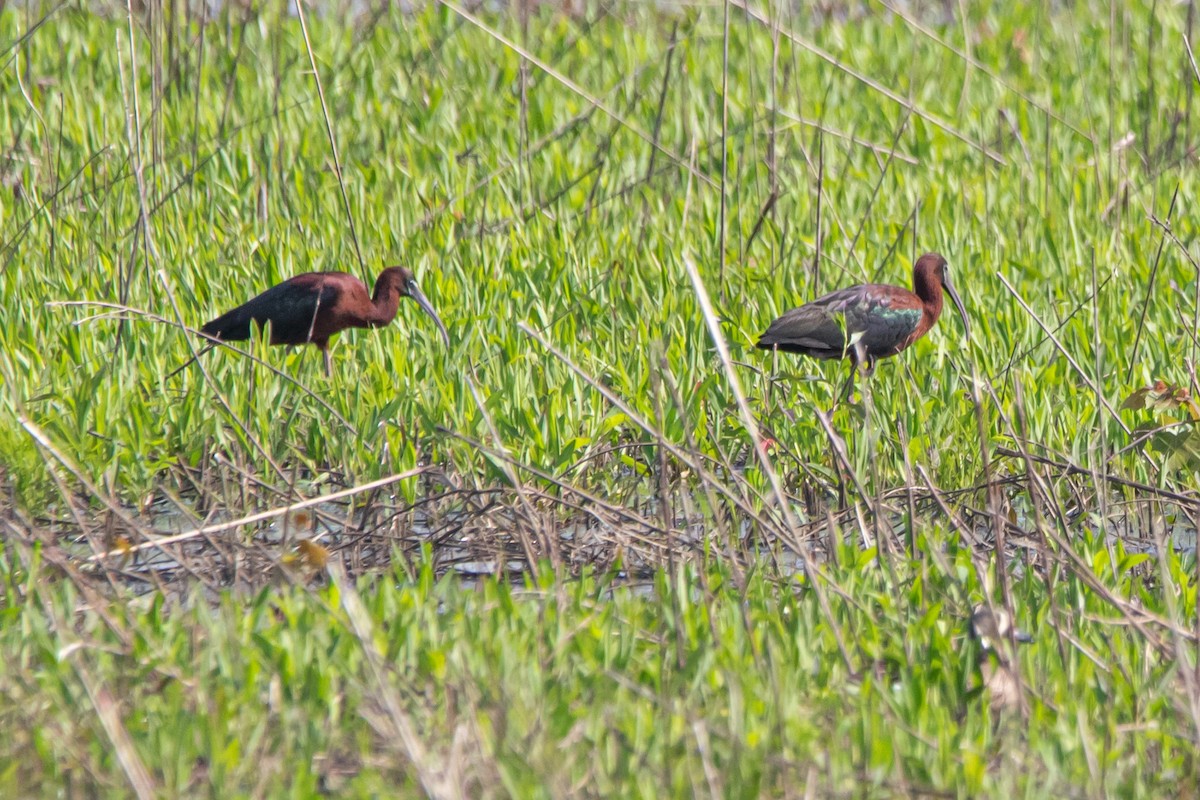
[
  {"x": 858, "y": 357},
  {"x": 848, "y": 388},
  {"x": 328, "y": 361}
]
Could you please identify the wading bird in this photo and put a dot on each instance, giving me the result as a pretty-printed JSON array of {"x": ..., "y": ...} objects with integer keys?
[
  {"x": 866, "y": 322},
  {"x": 314, "y": 307},
  {"x": 996, "y": 634}
]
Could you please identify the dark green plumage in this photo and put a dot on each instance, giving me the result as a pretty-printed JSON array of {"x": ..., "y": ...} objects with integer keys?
[
  {"x": 866, "y": 322},
  {"x": 846, "y": 320}
]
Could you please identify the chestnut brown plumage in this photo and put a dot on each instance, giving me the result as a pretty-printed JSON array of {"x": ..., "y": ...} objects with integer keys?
[
  {"x": 314, "y": 307},
  {"x": 867, "y": 322}
]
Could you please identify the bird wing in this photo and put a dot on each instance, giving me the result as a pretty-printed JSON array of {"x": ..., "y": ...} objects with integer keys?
[
  {"x": 820, "y": 328},
  {"x": 291, "y": 308}
]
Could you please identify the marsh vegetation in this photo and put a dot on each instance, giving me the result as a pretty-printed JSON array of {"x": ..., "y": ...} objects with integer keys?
[{"x": 598, "y": 544}]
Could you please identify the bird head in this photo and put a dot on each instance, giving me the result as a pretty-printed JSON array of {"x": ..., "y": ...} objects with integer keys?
[
  {"x": 402, "y": 281},
  {"x": 990, "y": 627},
  {"x": 933, "y": 267}
]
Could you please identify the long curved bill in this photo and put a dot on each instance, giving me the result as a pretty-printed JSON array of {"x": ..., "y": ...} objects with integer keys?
[
  {"x": 416, "y": 294},
  {"x": 958, "y": 303}
]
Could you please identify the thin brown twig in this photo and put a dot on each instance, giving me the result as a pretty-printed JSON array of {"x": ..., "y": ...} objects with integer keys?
[
  {"x": 337, "y": 159},
  {"x": 121, "y": 309},
  {"x": 261, "y": 516},
  {"x": 1166, "y": 227},
  {"x": 576, "y": 88},
  {"x": 1059, "y": 346},
  {"x": 874, "y": 85}
]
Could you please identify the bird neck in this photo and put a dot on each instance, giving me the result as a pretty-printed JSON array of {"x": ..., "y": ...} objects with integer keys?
[
  {"x": 929, "y": 289},
  {"x": 385, "y": 302}
]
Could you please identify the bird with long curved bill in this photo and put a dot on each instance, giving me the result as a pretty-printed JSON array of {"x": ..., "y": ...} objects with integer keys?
[
  {"x": 314, "y": 307},
  {"x": 867, "y": 322}
]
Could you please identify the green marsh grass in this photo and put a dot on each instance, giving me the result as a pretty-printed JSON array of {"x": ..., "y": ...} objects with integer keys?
[
  {"x": 549, "y": 177},
  {"x": 581, "y": 688}
]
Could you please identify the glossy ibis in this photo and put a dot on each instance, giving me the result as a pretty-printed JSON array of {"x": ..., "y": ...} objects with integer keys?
[
  {"x": 866, "y": 322},
  {"x": 316, "y": 306}
]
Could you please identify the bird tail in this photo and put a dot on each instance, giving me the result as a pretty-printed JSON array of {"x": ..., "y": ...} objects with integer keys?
[{"x": 230, "y": 327}]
